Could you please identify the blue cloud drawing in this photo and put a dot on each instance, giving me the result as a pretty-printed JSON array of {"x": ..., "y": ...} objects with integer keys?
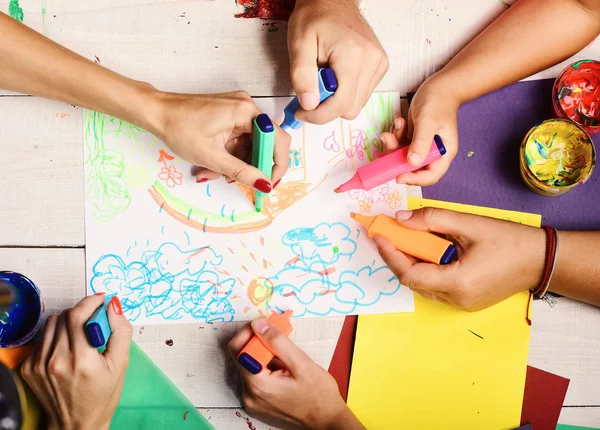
[
  {"x": 167, "y": 282},
  {"x": 326, "y": 243}
]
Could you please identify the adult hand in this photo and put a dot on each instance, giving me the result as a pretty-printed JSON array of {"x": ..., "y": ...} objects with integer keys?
[
  {"x": 294, "y": 392},
  {"x": 432, "y": 111},
  {"x": 496, "y": 259},
  {"x": 78, "y": 387},
  {"x": 213, "y": 131},
  {"x": 333, "y": 33}
]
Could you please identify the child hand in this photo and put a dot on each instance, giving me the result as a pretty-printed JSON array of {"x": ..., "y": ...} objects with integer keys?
[
  {"x": 202, "y": 129},
  {"x": 77, "y": 386},
  {"x": 333, "y": 33},
  {"x": 432, "y": 111},
  {"x": 294, "y": 392},
  {"x": 496, "y": 259}
]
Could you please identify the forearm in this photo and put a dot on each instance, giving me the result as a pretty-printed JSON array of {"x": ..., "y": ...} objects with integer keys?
[
  {"x": 33, "y": 64},
  {"x": 529, "y": 37},
  {"x": 577, "y": 270}
]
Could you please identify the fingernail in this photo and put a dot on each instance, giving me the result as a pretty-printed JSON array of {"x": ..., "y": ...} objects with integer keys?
[
  {"x": 414, "y": 159},
  {"x": 199, "y": 181},
  {"x": 276, "y": 183},
  {"x": 264, "y": 186},
  {"x": 260, "y": 325},
  {"x": 400, "y": 181},
  {"x": 308, "y": 100},
  {"x": 100, "y": 293},
  {"x": 231, "y": 182},
  {"x": 116, "y": 305},
  {"x": 403, "y": 215},
  {"x": 398, "y": 122}
]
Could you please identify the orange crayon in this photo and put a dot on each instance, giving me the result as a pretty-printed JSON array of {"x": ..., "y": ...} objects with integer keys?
[
  {"x": 421, "y": 244},
  {"x": 256, "y": 356}
]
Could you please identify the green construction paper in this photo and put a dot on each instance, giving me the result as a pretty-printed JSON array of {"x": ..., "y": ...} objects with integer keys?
[
  {"x": 151, "y": 401},
  {"x": 568, "y": 427}
]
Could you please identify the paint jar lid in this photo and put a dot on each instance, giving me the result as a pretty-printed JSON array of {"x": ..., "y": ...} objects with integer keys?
[
  {"x": 576, "y": 95},
  {"x": 555, "y": 156}
]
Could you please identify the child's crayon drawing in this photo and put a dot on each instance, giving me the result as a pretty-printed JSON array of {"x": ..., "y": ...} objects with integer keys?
[{"x": 176, "y": 250}]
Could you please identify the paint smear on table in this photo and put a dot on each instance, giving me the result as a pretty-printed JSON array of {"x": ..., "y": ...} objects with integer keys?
[
  {"x": 266, "y": 9},
  {"x": 15, "y": 11}
]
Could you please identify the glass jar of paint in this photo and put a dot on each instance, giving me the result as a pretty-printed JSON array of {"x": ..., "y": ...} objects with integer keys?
[
  {"x": 576, "y": 95},
  {"x": 22, "y": 318},
  {"x": 556, "y": 156}
]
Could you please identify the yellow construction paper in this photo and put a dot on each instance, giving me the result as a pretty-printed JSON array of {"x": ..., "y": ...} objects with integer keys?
[{"x": 440, "y": 367}]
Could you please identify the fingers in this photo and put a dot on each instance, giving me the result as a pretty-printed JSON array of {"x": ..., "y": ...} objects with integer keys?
[
  {"x": 304, "y": 69},
  {"x": 290, "y": 355},
  {"x": 421, "y": 276},
  {"x": 399, "y": 128},
  {"x": 204, "y": 175},
  {"x": 240, "y": 340},
  {"x": 347, "y": 74},
  {"x": 76, "y": 319},
  {"x": 117, "y": 350},
  {"x": 242, "y": 172},
  {"x": 423, "y": 131},
  {"x": 436, "y": 220},
  {"x": 281, "y": 155},
  {"x": 429, "y": 175},
  {"x": 392, "y": 140}
]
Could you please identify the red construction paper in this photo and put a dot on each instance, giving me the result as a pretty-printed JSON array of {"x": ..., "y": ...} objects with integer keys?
[
  {"x": 341, "y": 362},
  {"x": 544, "y": 396}
]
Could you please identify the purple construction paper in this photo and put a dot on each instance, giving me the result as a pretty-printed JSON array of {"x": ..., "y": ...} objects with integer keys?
[{"x": 492, "y": 127}]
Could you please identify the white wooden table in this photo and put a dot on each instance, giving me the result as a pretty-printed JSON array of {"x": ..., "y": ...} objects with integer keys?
[{"x": 198, "y": 46}]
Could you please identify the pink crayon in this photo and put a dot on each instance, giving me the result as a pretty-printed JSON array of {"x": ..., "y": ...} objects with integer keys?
[{"x": 390, "y": 166}]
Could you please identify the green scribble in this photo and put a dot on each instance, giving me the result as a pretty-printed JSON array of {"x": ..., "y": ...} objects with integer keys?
[
  {"x": 44, "y": 17},
  {"x": 106, "y": 180},
  {"x": 15, "y": 11},
  {"x": 336, "y": 249},
  {"x": 379, "y": 108}
]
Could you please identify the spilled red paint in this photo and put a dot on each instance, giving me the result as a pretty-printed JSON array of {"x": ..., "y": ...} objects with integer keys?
[
  {"x": 250, "y": 425},
  {"x": 266, "y": 9},
  {"x": 169, "y": 342}
]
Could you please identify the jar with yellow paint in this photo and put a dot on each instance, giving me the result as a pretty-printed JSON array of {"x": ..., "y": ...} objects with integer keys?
[{"x": 556, "y": 156}]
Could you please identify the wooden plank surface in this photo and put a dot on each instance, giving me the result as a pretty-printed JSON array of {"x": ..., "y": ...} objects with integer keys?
[{"x": 42, "y": 175}]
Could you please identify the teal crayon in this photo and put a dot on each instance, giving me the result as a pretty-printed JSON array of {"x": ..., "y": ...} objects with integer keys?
[
  {"x": 263, "y": 147},
  {"x": 97, "y": 328}
]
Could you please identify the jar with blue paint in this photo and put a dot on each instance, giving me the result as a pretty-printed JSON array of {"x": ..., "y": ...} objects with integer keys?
[{"x": 21, "y": 309}]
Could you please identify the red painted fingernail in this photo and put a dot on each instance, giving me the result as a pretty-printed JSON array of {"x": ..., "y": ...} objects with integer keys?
[
  {"x": 276, "y": 183},
  {"x": 231, "y": 182},
  {"x": 199, "y": 181},
  {"x": 116, "y": 304},
  {"x": 263, "y": 186},
  {"x": 100, "y": 293}
]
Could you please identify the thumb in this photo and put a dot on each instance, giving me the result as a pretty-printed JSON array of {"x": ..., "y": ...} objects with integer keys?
[
  {"x": 304, "y": 71},
  {"x": 436, "y": 220},
  {"x": 243, "y": 172},
  {"x": 422, "y": 133},
  {"x": 117, "y": 349},
  {"x": 287, "y": 351}
]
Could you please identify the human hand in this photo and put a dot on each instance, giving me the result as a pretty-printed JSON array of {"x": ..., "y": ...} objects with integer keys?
[
  {"x": 78, "y": 387},
  {"x": 432, "y": 111},
  {"x": 294, "y": 392},
  {"x": 213, "y": 131},
  {"x": 496, "y": 259},
  {"x": 334, "y": 33}
]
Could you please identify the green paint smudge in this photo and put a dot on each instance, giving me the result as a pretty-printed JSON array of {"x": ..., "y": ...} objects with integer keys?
[
  {"x": 15, "y": 11},
  {"x": 336, "y": 249}
]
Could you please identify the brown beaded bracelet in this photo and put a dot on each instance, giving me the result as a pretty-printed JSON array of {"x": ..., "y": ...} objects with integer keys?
[{"x": 551, "y": 250}]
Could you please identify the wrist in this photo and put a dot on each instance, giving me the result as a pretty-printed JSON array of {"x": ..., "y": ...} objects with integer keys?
[
  {"x": 142, "y": 107},
  {"x": 341, "y": 419}
]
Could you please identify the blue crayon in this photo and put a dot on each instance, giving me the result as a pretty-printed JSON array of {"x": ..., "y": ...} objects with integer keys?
[
  {"x": 97, "y": 328},
  {"x": 327, "y": 86}
]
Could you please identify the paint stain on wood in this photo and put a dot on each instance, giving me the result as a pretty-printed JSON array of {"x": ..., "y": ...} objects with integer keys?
[
  {"x": 169, "y": 342},
  {"x": 266, "y": 9}
]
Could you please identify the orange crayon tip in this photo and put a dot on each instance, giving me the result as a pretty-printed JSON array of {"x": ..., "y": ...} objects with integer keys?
[
  {"x": 352, "y": 215},
  {"x": 337, "y": 190}
]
